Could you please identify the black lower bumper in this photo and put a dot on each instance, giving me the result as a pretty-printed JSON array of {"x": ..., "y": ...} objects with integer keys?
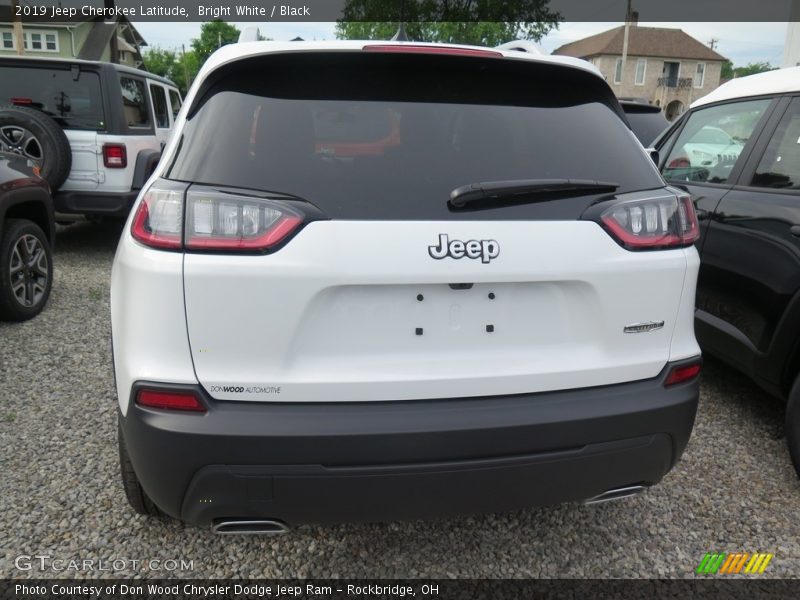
[
  {"x": 95, "y": 203},
  {"x": 396, "y": 460}
]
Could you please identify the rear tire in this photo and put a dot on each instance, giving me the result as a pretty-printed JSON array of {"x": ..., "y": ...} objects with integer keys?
[
  {"x": 26, "y": 270},
  {"x": 31, "y": 133},
  {"x": 137, "y": 497}
]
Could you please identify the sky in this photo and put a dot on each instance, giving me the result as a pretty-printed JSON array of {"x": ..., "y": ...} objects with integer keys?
[{"x": 743, "y": 43}]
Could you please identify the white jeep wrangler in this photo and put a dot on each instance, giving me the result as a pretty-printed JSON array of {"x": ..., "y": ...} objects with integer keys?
[{"x": 96, "y": 128}]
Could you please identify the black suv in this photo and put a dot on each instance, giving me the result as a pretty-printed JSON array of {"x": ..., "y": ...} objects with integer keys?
[
  {"x": 27, "y": 229},
  {"x": 647, "y": 121},
  {"x": 737, "y": 151}
]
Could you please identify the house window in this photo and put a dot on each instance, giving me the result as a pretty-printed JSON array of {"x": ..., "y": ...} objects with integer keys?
[
  {"x": 40, "y": 41},
  {"x": 618, "y": 71},
  {"x": 700, "y": 75},
  {"x": 641, "y": 68},
  {"x": 8, "y": 41}
]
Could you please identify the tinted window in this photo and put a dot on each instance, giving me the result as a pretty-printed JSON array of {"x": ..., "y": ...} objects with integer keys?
[
  {"x": 73, "y": 104},
  {"x": 160, "y": 105},
  {"x": 647, "y": 125},
  {"x": 133, "y": 102},
  {"x": 392, "y": 143},
  {"x": 712, "y": 140},
  {"x": 175, "y": 103},
  {"x": 780, "y": 165}
]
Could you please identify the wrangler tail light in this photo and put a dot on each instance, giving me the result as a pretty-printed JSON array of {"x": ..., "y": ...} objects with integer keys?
[
  {"x": 657, "y": 223},
  {"x": 170, "y": 400},
  {"x": 115, "y": 156},
  {"x": 209, "y": 220}
]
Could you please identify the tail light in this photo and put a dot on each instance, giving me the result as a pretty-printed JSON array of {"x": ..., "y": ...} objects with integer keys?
[
  {"x": 157, "y": 222},
  {"x": 683, "y": 373},
  {"x": 170, "y": 400},
  {"x": 679, "y": 163},
  {"x": 115, "y": 156},
  {"x": 219, "y": 221},
  {"x": 657, "y": 223},
  {"x": 203, "y": 219}
]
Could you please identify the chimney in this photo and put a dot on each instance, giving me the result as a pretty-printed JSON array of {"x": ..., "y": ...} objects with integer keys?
[{"x": 634, "y": 18}]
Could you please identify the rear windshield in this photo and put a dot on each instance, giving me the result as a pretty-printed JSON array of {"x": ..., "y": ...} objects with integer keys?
[
  {"x": 389, "y": 137},
  {"x": 72, "y": 99}
]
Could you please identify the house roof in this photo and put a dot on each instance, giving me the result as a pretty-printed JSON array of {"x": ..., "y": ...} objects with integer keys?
[{"x": 642, "y": 41}]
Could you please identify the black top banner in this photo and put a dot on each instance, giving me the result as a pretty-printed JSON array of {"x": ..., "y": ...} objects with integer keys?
[{"x": 62, "y": 11}]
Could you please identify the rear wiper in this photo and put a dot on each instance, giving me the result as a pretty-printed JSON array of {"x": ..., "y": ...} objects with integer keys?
[{"x": 514, "y": 190}]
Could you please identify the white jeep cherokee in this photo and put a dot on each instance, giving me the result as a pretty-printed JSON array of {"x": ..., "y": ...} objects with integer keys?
[{"x": 377, "y": 280}]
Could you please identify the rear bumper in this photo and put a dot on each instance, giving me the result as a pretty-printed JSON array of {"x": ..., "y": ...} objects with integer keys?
[
  {"x": 412, "y": 459},
  {"x": 95, "y": 203}
]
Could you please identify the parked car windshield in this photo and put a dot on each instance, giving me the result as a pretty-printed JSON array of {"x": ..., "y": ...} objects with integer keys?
[
  {"x": 72, "y": 99},
  {"x": 393, "y": 143}
]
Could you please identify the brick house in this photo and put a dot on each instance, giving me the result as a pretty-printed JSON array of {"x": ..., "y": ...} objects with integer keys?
[{"x": 667, "y": 67}]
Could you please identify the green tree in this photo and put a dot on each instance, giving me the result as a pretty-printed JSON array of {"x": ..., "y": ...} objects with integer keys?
[
  {"x": 753, "y": 68},
  {"x": 213, "y": 35},
  {"x": 481, "y": 33},
  {"x": 186, "y": 68},
  {"x": 727, "y": 70},
  {"x": 173, "y": 64},
  {"x": 161, "y": 62},
  {"x": 482, "y": 22}
]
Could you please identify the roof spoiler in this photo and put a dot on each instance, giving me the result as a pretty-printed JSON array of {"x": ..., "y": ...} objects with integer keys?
[
  {"x": 249, "y": 34},
  {"x": 522, "y": 46}
]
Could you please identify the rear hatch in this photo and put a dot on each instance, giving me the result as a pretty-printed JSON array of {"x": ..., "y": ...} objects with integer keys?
[
  {"x": 372, "y": 286},
  {"x": 71, "y": 96}
]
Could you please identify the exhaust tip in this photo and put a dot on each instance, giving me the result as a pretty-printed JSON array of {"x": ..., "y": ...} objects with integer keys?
[
  {"x": 616, "y": 494},
  {"x": 249, "y": 527}
]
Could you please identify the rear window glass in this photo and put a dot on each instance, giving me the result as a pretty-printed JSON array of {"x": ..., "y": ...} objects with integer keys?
[
  {"x": 365, "y": 142},
  {"x": 74, "y": 102},
  {"x": 175, "y": 101},
  {"x": 134, "y": 104},
  {"x": 160, "y": 105}
]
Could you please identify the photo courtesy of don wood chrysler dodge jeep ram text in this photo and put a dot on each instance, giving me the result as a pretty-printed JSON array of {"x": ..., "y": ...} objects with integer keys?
[{"x": 399, "y": 286}]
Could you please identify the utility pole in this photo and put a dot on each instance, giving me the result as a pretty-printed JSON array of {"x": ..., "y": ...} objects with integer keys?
[
  {"x": 625, "y": 39},
  {"x": 185, "y": 68},
  {"x": 19, "y": 39},
  {"x": 713, "y": 43}
]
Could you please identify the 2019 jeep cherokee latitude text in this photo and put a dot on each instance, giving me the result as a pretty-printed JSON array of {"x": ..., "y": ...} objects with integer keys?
[{"x": 374, "y": 281}]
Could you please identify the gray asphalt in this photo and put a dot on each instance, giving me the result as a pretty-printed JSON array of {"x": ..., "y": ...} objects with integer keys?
[{"x": 60, "y": 494}]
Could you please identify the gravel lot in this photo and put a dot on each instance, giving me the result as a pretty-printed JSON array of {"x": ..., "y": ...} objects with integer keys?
[{"x": 735, "y": 489}]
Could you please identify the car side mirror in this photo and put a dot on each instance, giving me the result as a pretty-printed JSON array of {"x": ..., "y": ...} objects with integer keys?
[{"x": 653, "y": 155}]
